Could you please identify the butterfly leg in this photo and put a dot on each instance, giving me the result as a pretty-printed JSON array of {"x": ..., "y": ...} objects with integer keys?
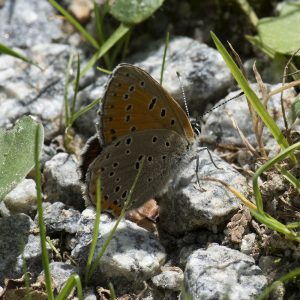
[
  {"x": 197, "y": 166},
  {"x": 197, "y": 176},
  {"x": 210, "y": 157}
]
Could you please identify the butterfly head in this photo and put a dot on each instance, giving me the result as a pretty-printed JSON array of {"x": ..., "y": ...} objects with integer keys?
[{"x": 196, "y": 125}]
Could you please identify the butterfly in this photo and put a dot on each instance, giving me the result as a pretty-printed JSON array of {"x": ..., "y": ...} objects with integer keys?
[{"x": 138, "y": 121}]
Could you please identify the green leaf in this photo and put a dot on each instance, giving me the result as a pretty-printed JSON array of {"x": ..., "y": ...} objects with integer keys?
[
  {"x": 281, "y": 34},
  {"x": 17, "y": 153},
  {"x": 134, "y": 11}
]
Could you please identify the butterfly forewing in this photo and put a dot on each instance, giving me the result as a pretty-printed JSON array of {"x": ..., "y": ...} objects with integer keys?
[{"x": 135, "y": 102}]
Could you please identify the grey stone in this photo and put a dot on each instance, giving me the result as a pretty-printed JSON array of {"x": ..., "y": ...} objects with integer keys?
[
  {"x": 185, "y": 206},
  {"x": 219, "y": 272},
  {"x": 89, "y": 294},
  {"x": 170, "y": 278},
  {"x": 18, "y": 244},
  {"x": 27, "y": 23},
  {"x": 248, "y": 243},
  {"x": 219, "y": 129},
  {"x": 28, "y": 90},
  {"x": 204, "y": 74},
  {"x": 62, "y": 181},
  {"x": 60, "y": 273},
  {"x": 58, "y": 217},
  {"x": 4, "y": 211},
  {"x": 133, "y": 255},
  {"x": 47, "y": 153},
  {"x": 86, "y": 123},
  {"x": 22, "y": 199}
]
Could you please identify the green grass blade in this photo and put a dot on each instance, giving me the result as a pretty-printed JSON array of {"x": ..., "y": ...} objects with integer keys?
[
  {"x": 66, "y": 102},
  {"x": 112, "y": 291},
  {"x": 252, "y": 97},
  {"x": 164, "y": 58},
  {"x": 45, "y": 258},
  {"x": 28, "y": 295},
  {"x": 95, "y": 230},
  {"x": 110, "y": 42},
  {"x": 272, "y": 223},
  {"x": 75, "y": 88},
  {"x": 75, "y": 23},
  {"x": 6, "y": 50},
  {"x": 73, "y": 281},
  {"x": 100, "y": 30},
  {"x": 255, "y": 41},
  {"x": 289, "y": 177},
  {"x": 105, "y": 71},
  {"x": 126, "y": 44},
  {"x": 293, "y": 225},
  {"x": 248, "y": 10},
  {"x": 84, "y": 110},
  {"x": 118, "y": 48},
  {"x": 291, "y": 275},
  {"x": 270, "y": 163}
]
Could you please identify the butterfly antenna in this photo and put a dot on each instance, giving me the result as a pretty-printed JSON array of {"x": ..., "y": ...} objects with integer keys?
[
  {"x": 221, "y": 104},
  {"x": 183, "y": 95}
]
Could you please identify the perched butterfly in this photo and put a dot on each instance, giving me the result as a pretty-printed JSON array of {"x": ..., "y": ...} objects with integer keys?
[{"x": 138, "y": 120}]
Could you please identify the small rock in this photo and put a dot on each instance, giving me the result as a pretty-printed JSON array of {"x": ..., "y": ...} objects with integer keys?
[
  {"x": 86, "y": 123},
  {"x": 133, "y": 255},
  {"x": 60, "y": 273},
  {"x": 4, "y": 211},
  {"x": 17, "y": 243},
  {"x": 248, "y": 243},
  {"x": 47, "y": 153},
  {"x": 58, "y": 217},
  {"x": 185, "y": 206},
  {"x": 220, "y": 272},
  {"x": 81, "y": 9},
  {"x": 42, "y": 95},
  {"x": 219, "y": 129},
  {"x": 170, "y": 278},
  {"x": 204, "y": 74},
  {"x": 238, "y": 225},
  {"x": 89, "y": 294},
  {"x": 62, "y": 181},
  {"x": 27, "y": 23},
  {"x": 22, "y": 199}
]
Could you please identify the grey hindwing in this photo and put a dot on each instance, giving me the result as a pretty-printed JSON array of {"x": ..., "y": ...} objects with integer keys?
[{"x": 164, "y": 151}]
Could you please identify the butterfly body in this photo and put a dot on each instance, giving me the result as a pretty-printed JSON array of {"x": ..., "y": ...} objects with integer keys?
[{"x": 139, "y": 121}]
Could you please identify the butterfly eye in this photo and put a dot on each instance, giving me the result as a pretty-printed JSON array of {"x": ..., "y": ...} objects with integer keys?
[{"x": 196, "y": 127}]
